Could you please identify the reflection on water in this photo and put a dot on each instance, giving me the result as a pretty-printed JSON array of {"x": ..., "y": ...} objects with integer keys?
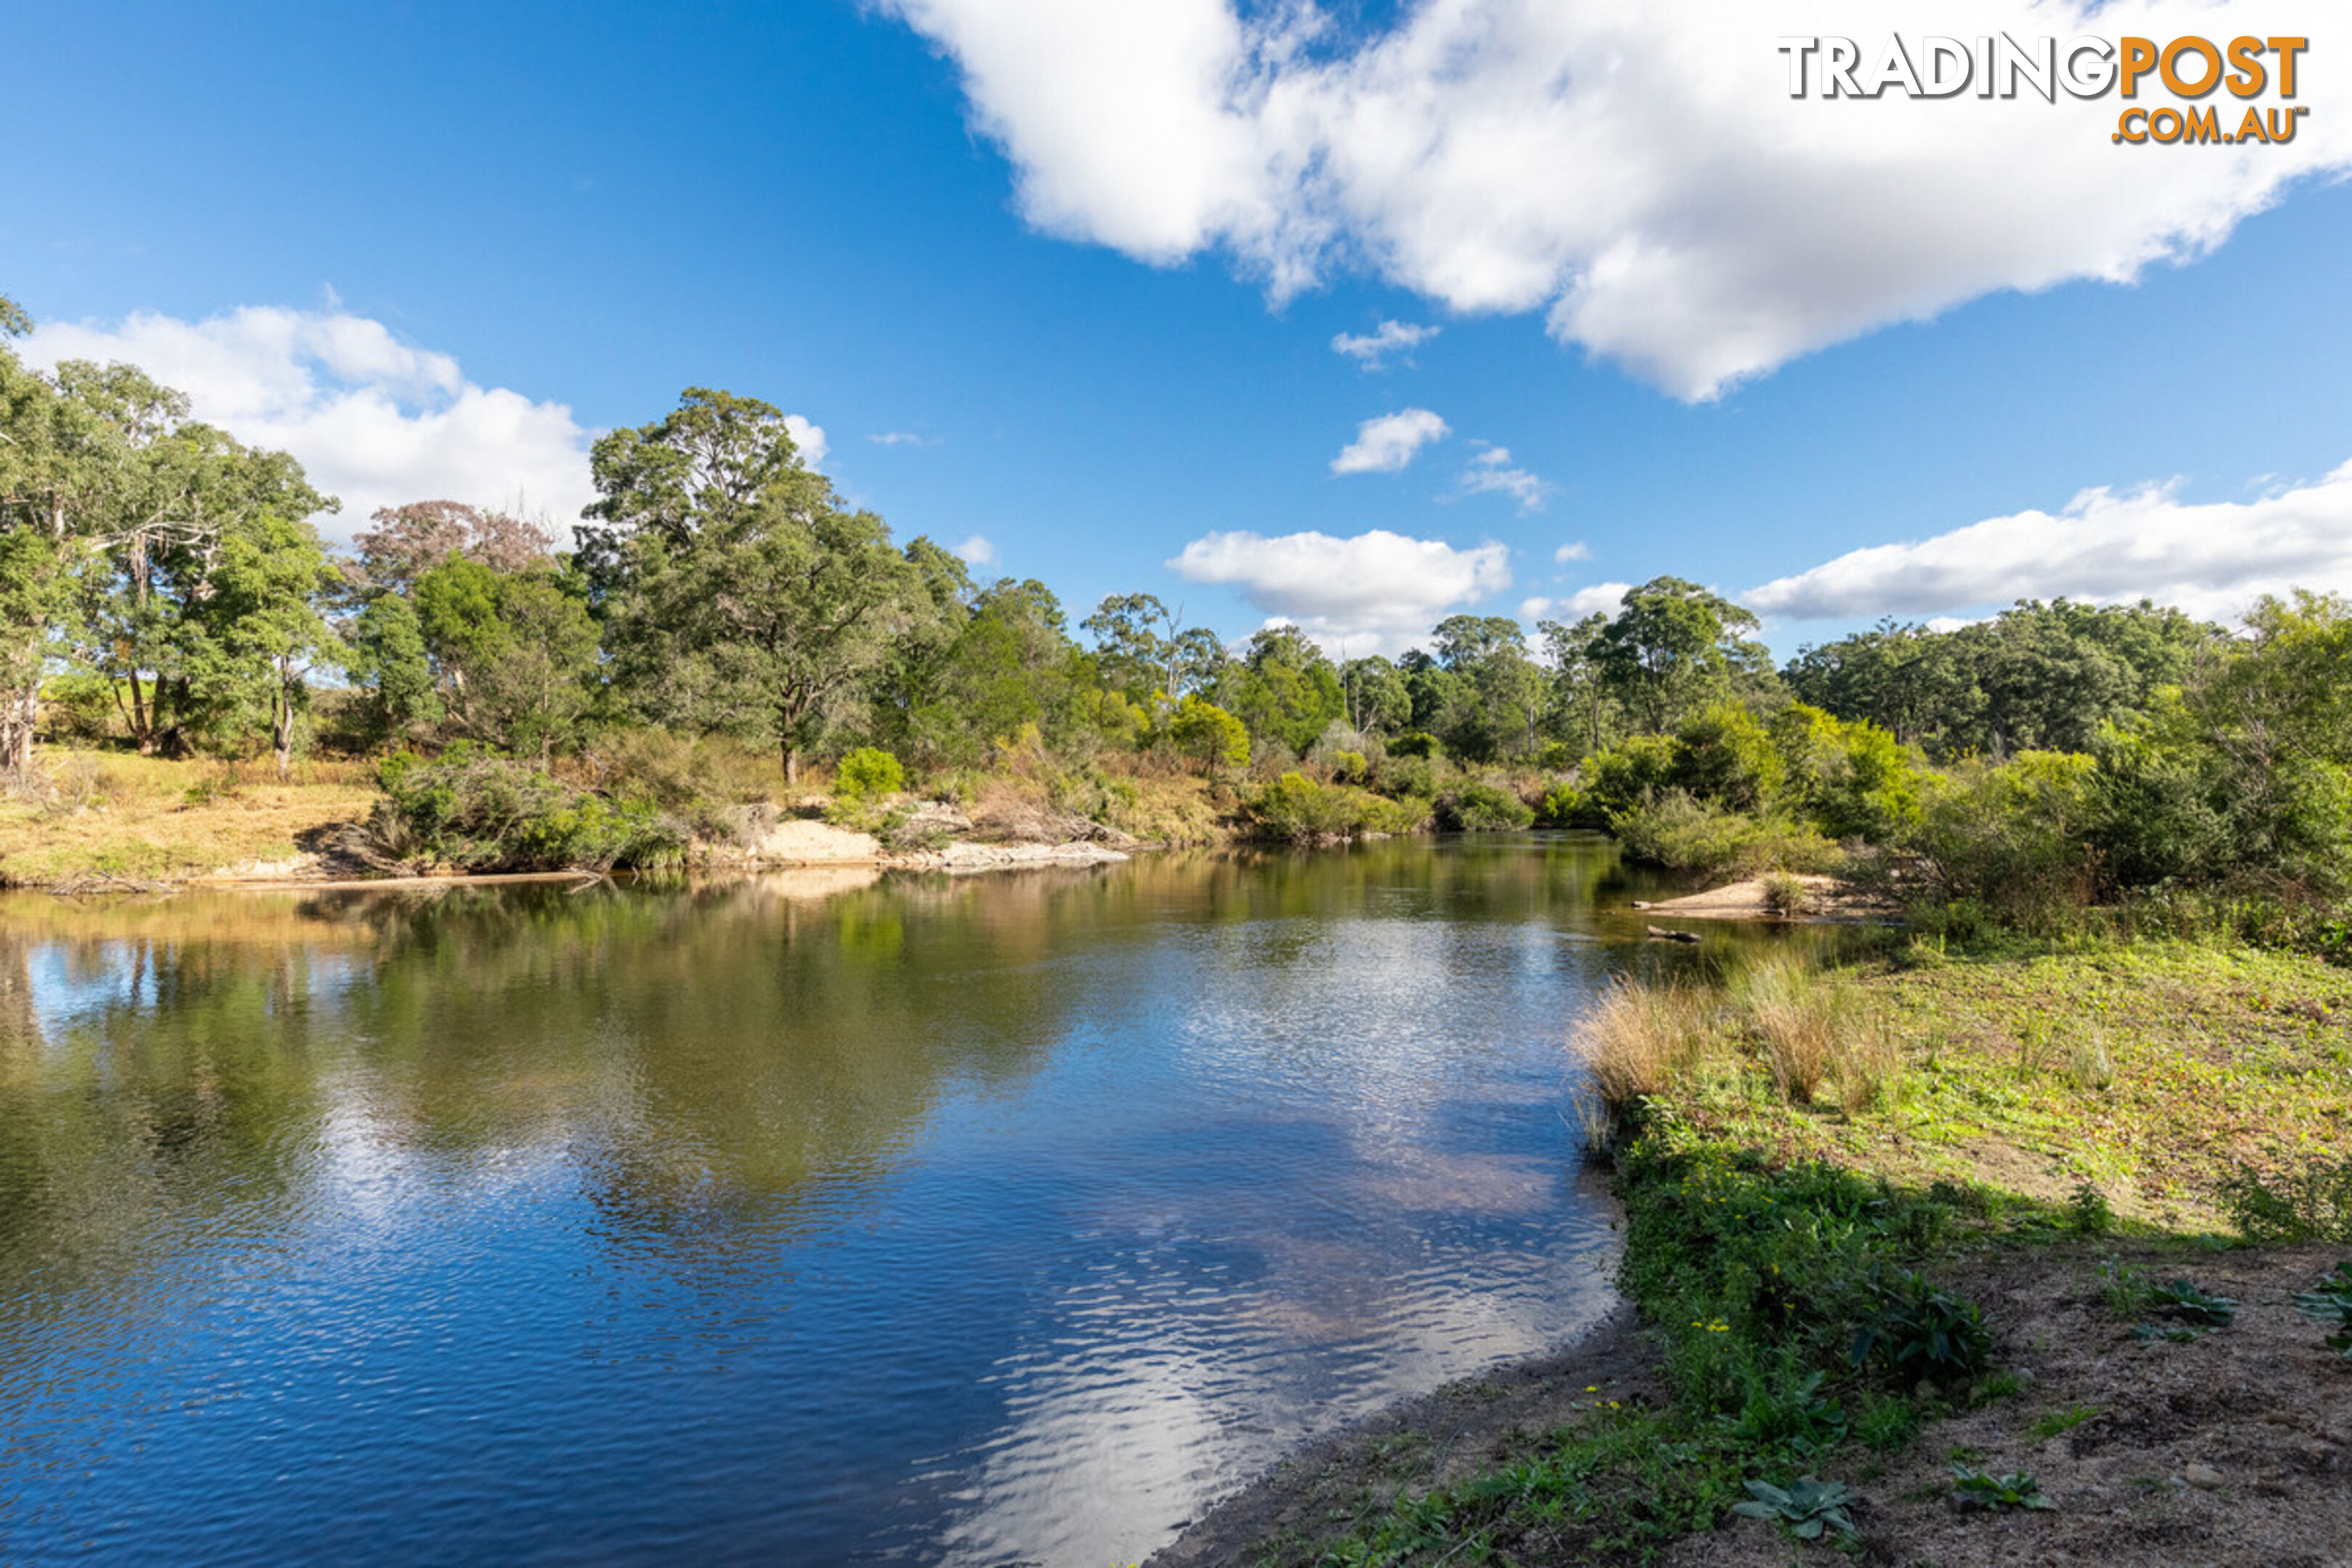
[{"x": 812, "y": 1219}]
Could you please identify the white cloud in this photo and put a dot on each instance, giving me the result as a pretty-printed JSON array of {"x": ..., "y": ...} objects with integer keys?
[
  {"x": 1490, "y": 472},
  {"x": 1377, "y": 592},
  {"x": 809, "y": 438},
  {"x": 975, "y": 552},
  {"x": 902, "y": 438},
  {"x": 1603, "y": 598},
  {"x": 374, "y": 421},
  {"x": 1634, "y": 169},
  {"x": 1385, "y": 445},
  {"x": 2212, "y": 559},
  {"x": 1534, "y": 609},
  {"x": 1390, "y": 340},
  {"x": 1574, "y": 550}
]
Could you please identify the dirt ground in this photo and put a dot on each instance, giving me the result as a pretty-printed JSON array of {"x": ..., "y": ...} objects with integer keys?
[{"x": 2233, "y": 1448}]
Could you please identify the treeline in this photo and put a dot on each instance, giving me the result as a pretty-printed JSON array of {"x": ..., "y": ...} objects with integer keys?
[{"x": 159, "y": 587}]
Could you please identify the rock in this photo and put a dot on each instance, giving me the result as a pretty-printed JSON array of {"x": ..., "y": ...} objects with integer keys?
[{"x": 2204, "y": 1478}]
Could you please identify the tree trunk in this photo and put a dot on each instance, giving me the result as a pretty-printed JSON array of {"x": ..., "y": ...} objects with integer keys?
[
  {"x": 16, "y": 710},
  {"x": 792, "y": 763}
]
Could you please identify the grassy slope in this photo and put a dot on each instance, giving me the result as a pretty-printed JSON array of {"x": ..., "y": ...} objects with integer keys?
[{"x": 124, "y": 815}]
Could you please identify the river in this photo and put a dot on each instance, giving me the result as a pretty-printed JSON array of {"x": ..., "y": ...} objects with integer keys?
[{"x": 819, "y": 1218}]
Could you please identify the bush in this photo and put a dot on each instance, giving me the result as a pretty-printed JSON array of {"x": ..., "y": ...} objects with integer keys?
[
  {"x": 1685, "y": 835},
  {"x": 1416, "y": 744},
  {"x": 2011, "y": 838},
  {"x": 2313, "y": 1203},
  {"x": 78, "y": 707},
  {"x": 1480, "y": 807},
  {"x": 1922, "y": 1332},
  {"x": 1295, "y": 809},
  {"x": 867, "y": 775},
  {"x": 1206, "y": 732},
  {"x": 1563, "y": 803},
  {"x": 476, "y": 809}
]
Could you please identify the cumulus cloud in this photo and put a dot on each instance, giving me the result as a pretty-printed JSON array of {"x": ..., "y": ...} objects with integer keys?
[
  {"x": 1574, "y": 550},
  {"x": 1390, "y": 340},
  {"x": 1634, "y": 169},
  {"x": 1491, "y": 472},
  {"x": 2212, "y": 559},
  {"x": 975, "y": 552},
  {"x": 374, "y": 420},
  {"x": 1601, "y": 598},
  {"x": 1377, "y": 592},
  {"x": 1385, "y": 445}
]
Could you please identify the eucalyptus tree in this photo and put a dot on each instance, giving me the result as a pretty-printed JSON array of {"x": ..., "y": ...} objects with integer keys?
[
  {"x": 738, "y": 592},
  {"x": 1674, "y": 647}
]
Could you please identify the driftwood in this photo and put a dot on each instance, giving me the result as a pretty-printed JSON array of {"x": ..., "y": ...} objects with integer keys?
[{"x": 1659, "y": 933}]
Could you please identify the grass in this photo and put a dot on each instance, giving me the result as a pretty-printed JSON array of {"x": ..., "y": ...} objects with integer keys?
[
  {"x": 121, "y": 815},
  {"x": 2146, "y": 1072}
]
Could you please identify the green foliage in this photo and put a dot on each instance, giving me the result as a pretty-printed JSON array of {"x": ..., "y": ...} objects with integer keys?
[
  {"x": 2330, "y": 1306},
  {"x": 1480, "y": 807},
  {"x": 1807, "y": 1506},
  {"x": 1996, "y": 1494},
  {"x": 2126, "y": 1288},
  {"x": 1416, "y": 744},
  {"x": 1563, "y": 805},
  {"x": 1682, "y": 833},
  {"x": 1209, "y": 735},
  {"x": 2059, "y": 1422},
  {"x": 1295, "y": 809},
  {"x": 867, "y": 775},
  {"x": 2311, "y": 1202},
  {"x": 2011, "y": 837},
  {"x": 2087, "y": 1213},
  {"x": 390, "y": 660},
  {"x": 1921, "y": 1332},
  {"x": 473, "y": 808},
  {"x": 2184, "y": 1302}
]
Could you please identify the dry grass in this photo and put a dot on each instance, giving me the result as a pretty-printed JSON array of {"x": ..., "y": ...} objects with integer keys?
[
  {"x": 1645, "y": 1039},
  {"x": 1805, "y": 1030},
  {"x": 96, "y": 813}
]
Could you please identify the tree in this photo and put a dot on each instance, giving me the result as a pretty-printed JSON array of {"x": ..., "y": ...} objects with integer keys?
[
  {"x": 516, "y": 652},
  {"x": 409, "y": 540},
  {"x": 1207, "y": 732},
  {"x": 262, "y": 632},
  {"x": 1283, "y": 687},
  {"x": 389, "y": 659},
  {"x": 741, "y": 595},
  {"x": 1584, "y": 713},
  {"x": 1143, "y": 646},
  {"x": 1375, "y": 697},
  {"x": 1673, "y": 646}
]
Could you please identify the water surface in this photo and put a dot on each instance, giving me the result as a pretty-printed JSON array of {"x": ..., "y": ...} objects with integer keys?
[{"x": 818, "y": 1219}]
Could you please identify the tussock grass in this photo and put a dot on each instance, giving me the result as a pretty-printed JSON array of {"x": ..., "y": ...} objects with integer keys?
[{"x": 1815, "y": 1036}]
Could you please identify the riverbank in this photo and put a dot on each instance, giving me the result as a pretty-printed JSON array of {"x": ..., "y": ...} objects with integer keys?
[
  {"x": 121, "y": 822},
  {"x": 2035, "y": 1142}
]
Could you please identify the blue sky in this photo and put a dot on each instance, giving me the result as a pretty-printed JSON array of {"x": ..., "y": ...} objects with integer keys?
[{"x": 465, "y": 237}]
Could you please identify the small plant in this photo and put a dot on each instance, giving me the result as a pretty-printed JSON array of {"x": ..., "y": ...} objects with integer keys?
[
  {"x": 1923, "y": 1331},
  {"x": 2126, "y": 1288},
  {"x": 1807, "y": 1507},
  {"x": 1997, "y": 1494},
  {"x": 2057, "y": 1423},
  {"x": 1787, "y": 896},
  {"x": 2185, "y": 1303},
  {"x": 2330, "y": 1307},
  {"x": 2087, "y": 1213}
]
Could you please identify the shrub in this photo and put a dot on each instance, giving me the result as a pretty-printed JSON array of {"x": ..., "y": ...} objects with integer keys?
[
  {"x": 1416, "y": 744},
  {"x": 1683, "y": 834},
  {"x": 1480, "y": 807},
  {"x": 78, "y": 707},
  {"x": 2330, "y": 1306},
  {"x": 867, "y": 775},
  {"x": 1554, "y": 756},
  {"x": 2012, "y": 838},
  {"x": 1563, "y": 804},
  {"x": 474, "y": 808},
  {"x": 1921, "y": 1332},
  {"x": 1295, "y": 809},
  {"x": 1786, "y": 895},
  {"x": 2313, "y": 1203}
]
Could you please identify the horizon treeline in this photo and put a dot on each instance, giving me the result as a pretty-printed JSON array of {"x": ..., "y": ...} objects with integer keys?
[{"x": 159, "y": 583}]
